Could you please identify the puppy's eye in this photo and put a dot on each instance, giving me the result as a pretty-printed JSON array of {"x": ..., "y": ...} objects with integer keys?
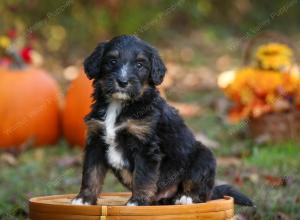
[
  {"x": 113, "y": 62},
  {"x": 139, "y": 65}
]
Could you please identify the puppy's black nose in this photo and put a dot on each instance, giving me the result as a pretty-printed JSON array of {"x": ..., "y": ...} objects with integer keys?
[{"x": 122, "y": 82}]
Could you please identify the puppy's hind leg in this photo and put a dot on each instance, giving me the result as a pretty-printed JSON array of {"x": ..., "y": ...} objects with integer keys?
[{"x": 199, "y": 182}]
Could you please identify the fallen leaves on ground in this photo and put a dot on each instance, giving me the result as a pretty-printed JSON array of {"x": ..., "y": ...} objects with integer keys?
[
  {"x": 228, "y": 161},
  {"x": 187, "y": 110},
  {"x": 179, "y": 78},
  {"x": 9, "y": 159},
  {"x": 207, "y": 141},
  {"x": 282, "y": 216},
  {"x": 277, "y": 181},
  {"x": 68, "y": 161},
  {"x": 18, "y": 150}
]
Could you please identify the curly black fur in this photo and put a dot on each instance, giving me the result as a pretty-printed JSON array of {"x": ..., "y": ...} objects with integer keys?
[{"x": 148, "y": 146}]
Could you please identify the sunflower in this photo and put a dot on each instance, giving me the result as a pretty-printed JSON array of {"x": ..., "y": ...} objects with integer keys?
[{"x": 274, "y": 56}]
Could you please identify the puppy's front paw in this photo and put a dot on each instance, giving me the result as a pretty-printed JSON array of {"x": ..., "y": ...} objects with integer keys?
[
  {"x": 83, "y": 200},
  {"x": 137, "y": 202},
  {"x": 184, "y": 200},
  {"x": 79, "y": 201},
  {"x": 132, "y": 204}
]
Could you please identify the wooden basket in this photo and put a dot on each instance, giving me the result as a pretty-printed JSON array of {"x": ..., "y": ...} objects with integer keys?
[
  {"x": 111, "y": 207},
  {"x": 277, "y": 126}
]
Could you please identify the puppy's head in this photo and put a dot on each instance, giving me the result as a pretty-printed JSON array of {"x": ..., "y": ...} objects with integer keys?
[{"x": 124, "y": 66}]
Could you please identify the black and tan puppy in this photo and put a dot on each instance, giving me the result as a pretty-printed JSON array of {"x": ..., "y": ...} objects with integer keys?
[{"x": 136, "y": 134}]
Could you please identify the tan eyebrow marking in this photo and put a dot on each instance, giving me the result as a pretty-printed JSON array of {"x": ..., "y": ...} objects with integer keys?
[
  {"x": 141, "y": 56},
  {"x": 113, "y": 53}
]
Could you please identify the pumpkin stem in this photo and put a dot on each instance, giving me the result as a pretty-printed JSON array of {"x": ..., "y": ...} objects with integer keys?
[{"x": 18, "y": 61}]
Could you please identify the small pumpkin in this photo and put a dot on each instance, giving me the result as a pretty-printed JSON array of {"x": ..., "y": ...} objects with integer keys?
[
  {"x": 77, "y": 105},
  {"x": 29, "y": 107}
]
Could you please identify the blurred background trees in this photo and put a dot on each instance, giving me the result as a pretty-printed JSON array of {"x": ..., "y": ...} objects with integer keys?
[{"x": 68, "y": 29}]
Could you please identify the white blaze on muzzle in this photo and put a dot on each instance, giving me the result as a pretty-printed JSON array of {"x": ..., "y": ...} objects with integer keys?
[
  {"x": 122, "y": 77},
  {"x": 124, "y": 71}
]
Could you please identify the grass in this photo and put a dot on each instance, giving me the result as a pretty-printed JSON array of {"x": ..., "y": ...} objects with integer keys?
[
  {"x": 281, "y": 160},
  {"x": 281, "y": 156},
  {"x": 57, "y": 169},
  {"x": 43, "y": 171}
]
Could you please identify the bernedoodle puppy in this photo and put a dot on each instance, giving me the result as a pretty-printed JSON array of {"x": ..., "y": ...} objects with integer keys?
[{"x": 136, "y": 134}]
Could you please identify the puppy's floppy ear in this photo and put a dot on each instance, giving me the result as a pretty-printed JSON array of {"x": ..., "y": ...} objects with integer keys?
[
  {"x": 92, "y": 63},
  {"x": 158, "y": 69}
]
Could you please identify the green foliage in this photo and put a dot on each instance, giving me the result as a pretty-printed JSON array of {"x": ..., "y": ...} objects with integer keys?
[{"x": 60, "y": 25}]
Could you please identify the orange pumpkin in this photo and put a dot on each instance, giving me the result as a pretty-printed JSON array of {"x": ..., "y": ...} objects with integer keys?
[
  {"x": 77, "y": 105},
  {"x": 29, "y": 107}
]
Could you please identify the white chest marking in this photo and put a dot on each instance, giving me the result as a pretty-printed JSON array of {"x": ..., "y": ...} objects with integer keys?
[{"x": 114, "y": 156}]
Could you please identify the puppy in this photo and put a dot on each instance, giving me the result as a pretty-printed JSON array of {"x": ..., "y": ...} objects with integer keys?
[{"x": 136, "y": 134}]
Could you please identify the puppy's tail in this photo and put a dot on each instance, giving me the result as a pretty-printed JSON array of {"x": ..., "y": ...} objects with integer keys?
[{"x": 226, "y": 190}]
